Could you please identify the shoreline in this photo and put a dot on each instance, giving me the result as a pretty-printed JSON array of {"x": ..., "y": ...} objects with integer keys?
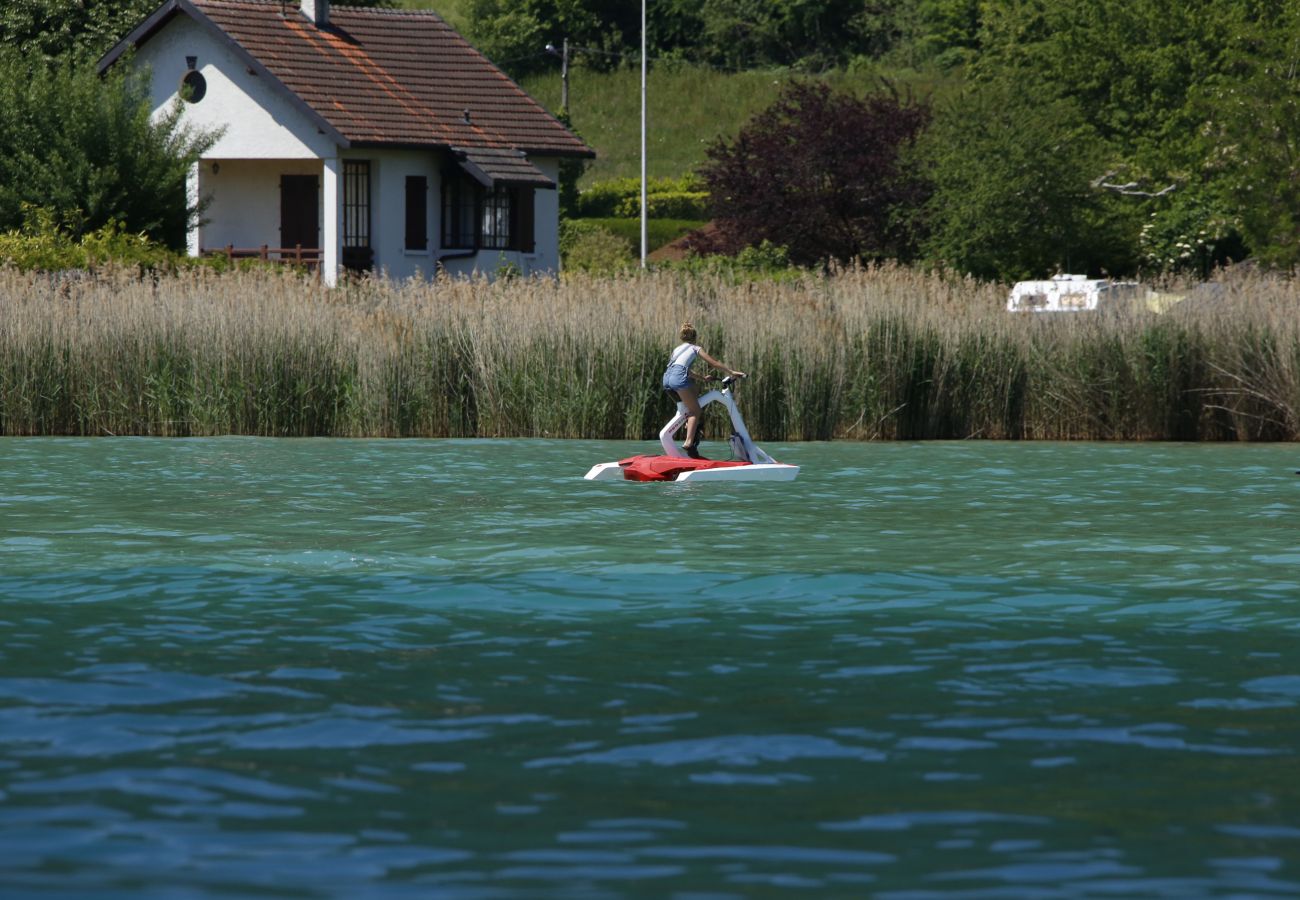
[{"x": 879, "y": 354}]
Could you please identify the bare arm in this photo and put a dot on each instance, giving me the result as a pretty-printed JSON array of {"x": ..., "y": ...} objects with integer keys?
[{"x": 717, "y": 365}]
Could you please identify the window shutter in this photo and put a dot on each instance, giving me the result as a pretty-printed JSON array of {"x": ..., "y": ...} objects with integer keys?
[
  {"x": 522, "y": 220},
  {"x": 417, "y": 213}
]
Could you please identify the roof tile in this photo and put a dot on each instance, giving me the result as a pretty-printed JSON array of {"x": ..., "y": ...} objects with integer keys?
[{"x": 382, "y": 76}]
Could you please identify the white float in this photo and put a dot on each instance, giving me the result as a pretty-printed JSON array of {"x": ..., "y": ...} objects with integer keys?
[{"x": 751, "y": 463}]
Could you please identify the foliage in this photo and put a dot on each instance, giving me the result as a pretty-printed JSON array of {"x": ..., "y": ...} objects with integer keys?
[
  {"x": 62, "y": 29},
  {"x": 766, "y": 261},
  {"x": 943, "y": 31},
  {"x": 85, "y": 148},
  {"x": 666, "y": 198},
  {"x": 587, "y": 247},
  {"x": 819, "y": 173},
  {"x": 571, "y": 170},
  {"x": 1126, "y": 81},
  {"x": 515, "y": 33},
  {"x": 1012, "y": 192},
  {"x": 810, "y": 35},
  {"x": 628, "y": 231},
  {"x": 1251, "y": 128},
  {"x": 1189, "y": 232},
  {"x": 41, "y": 244}
]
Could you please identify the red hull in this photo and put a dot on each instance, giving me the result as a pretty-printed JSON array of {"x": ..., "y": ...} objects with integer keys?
[{"x": 667, "y": 468}]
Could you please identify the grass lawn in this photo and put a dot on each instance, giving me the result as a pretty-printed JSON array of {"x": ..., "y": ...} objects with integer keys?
[
  {"x": 455, "y": 12},
  {"x": 658, "y": 231},
  {"x": 690, "y": 106}
]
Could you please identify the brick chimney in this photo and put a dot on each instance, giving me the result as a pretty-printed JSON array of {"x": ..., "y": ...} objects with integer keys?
[{"x": 318, "y": 11}]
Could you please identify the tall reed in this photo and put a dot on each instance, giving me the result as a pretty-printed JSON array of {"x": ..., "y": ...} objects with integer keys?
[{"x": 882, "y": 353}]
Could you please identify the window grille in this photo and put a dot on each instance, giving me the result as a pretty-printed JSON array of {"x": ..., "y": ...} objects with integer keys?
[{"x": 356, "y": 203}]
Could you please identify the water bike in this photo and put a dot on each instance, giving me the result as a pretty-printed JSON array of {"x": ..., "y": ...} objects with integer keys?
[{"x": 750, "y": 462}]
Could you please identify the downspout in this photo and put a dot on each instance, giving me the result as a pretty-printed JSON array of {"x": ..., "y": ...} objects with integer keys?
[{"x": 459, "y": 254}]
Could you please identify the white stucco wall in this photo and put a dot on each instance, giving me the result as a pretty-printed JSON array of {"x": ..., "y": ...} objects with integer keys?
[
  {"x": 244, "y": 200},
  {"x": 260, "y": 121},
  {"x": 388, "y": 172}
]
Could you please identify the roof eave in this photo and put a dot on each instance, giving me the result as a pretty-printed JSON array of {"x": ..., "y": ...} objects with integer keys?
[
  {"x": 586, "y": 153},
  {"x": 164, "y": 13},
  {"x": 141, "y": 33}
]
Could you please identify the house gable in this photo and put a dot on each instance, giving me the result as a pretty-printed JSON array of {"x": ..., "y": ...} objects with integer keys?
[
  {"x": 376, "y": 77},
  {"x": 258, "y": 115}
]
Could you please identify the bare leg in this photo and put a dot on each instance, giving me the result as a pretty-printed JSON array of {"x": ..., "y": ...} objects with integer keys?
[{"x": 691, "y": 400}]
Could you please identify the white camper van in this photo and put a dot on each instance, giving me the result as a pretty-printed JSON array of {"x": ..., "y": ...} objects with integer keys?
[{"x": 1071, "y": 293}]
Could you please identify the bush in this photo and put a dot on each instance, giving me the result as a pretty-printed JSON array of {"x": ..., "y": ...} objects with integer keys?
[
  {"x": 658, "y": 231},
  {"x": 666, "y": 198},
  {"x": 585, "y": 247},
  {"x": 821, "y": 173},
  {"x": 667, "y": 205},
  {"x": 43, "y": 245},
  {"x": 766, "y": 262}
]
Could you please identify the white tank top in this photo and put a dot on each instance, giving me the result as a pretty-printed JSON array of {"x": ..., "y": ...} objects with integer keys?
[{"x": 684, "y": 355}]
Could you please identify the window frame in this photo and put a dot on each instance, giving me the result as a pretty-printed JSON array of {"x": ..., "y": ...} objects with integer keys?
[
  {"x": 357, "y": 231},
  {"x": 477, "y": 218}
]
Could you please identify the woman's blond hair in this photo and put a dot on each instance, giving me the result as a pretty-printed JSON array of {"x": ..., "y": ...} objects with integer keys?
[{"x": 687, "y": 332}]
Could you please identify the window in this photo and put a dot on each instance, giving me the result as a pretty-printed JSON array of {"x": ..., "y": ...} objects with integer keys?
[
  {"x": 357, "y": 254},
  {"x": 459, "y": 202},
  {"x": 417, "y": 212},
  {"x": 497, "y": 218},
  {"x": 193, "y": 86},
  {"x": 356, "y": 203}
]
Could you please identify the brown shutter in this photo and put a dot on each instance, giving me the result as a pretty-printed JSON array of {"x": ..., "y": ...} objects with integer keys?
[
  {"x": 521, "y": 219},
  {"x": 417, "y": 214}
]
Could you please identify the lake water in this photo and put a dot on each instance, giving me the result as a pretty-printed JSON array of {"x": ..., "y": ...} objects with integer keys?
[{"x": 454, "y": 669}]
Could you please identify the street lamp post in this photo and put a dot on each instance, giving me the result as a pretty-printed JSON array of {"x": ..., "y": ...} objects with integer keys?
[{"x": 563, "y": 54}]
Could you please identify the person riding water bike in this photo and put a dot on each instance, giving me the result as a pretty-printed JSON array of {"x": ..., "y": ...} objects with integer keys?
[{"x": 682, "y": 385}]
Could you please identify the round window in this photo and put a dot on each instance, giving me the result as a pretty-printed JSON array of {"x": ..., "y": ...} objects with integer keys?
[{"x": 193, "y": 86}]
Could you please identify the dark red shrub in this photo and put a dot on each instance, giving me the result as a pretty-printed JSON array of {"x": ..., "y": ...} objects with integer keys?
[{"x": 820, "y": 173}]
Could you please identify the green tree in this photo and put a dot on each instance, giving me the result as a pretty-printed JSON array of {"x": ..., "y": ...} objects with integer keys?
[
  {"x": 54, "y": 29},
  {"x": 514, "y": 33},
  {"x": 84, "y": 29},
  {"x": 808, "y": 34},
  {"x": 1013, "y": 194},
  {"x": 1133, "y": 68},
  {"x": 946, "y": 32},
  {"x": 1250, "y": 133},
  {"x": 85, "y": 149}
]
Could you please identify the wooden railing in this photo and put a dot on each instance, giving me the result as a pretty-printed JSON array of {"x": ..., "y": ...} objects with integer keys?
[{"x": 296, "y": 255}]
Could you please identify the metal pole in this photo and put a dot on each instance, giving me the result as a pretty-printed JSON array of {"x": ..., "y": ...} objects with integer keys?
[
  {"x": 644, "y": 239},
  {"x": 564, "y": 79}
]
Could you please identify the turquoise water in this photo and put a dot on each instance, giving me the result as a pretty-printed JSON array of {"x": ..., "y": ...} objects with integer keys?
[{"x": 453, "y": 669}]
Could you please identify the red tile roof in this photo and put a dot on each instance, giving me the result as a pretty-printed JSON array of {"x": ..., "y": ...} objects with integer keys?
[{"x": 384, "y": 76}]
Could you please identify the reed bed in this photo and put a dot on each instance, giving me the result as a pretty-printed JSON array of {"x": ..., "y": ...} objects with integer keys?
[{"x": 880, "y": 353}]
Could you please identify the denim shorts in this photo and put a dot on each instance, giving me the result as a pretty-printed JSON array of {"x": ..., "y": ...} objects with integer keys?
[{"x": 677, "y": 377}]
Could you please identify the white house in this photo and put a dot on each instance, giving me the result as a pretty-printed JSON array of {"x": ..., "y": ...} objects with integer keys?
[{"x": 359, "y": 138}]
